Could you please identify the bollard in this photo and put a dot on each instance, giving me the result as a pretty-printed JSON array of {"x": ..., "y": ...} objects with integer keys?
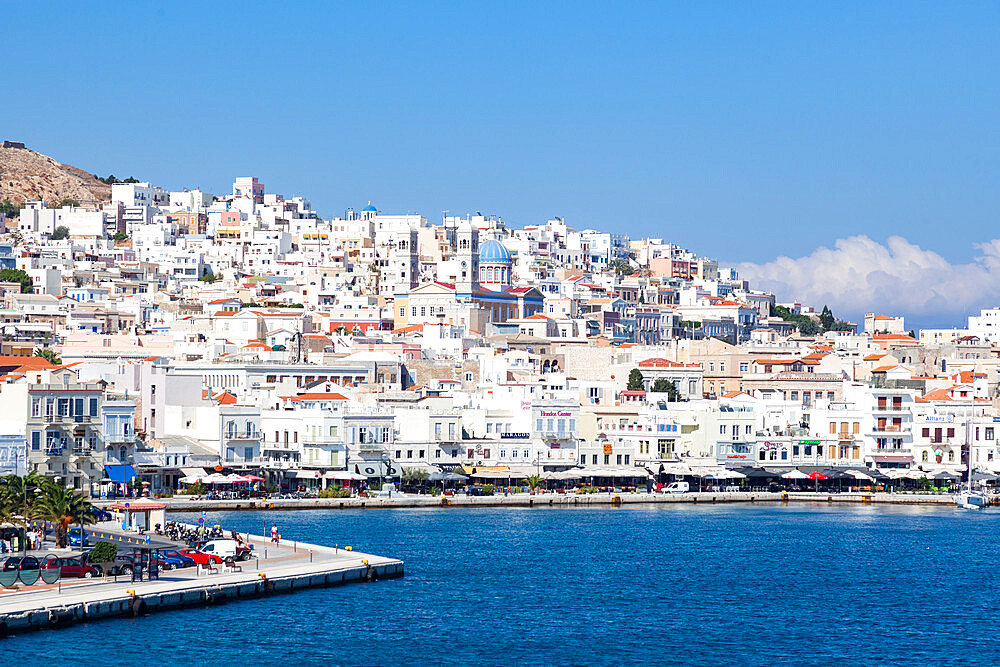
[
  {"x": 295, "y": 547},
  {"x": 310, "y": 555}
]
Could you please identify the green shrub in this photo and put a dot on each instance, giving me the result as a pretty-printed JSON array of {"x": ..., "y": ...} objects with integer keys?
[{"x": 333, "y": 492}]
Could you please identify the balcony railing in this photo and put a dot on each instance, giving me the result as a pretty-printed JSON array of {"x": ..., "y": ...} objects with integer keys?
[{"x": 889, "y": 428}]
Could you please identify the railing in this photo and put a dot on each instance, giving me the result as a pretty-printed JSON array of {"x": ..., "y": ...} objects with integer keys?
[{"x": 887, "y": 429}]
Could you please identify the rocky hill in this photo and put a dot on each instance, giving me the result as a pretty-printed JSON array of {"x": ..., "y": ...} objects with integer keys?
[{"x": 27, "y": 175}]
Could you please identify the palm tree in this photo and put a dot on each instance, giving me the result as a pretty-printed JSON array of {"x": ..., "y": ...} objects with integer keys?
[
  {"x": 18, "y": 496},
  {"x": 49, "y": 355},
  {"x": 63, "y": 506},
  {"x": 533, "y": 482}
]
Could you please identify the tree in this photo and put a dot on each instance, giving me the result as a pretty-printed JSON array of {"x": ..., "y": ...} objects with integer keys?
[
  {"x": 634, "y": 380},
  {"x": 18, "y": 494},
  {"x": 16, "y": 237},
  {"x": 49, "y": 355},
  {"x": 665, "y": 386},
  {"x": 63, "y": 506},
  {"x": 10, "y": 209},
  {"x": 533, "y": 481},
  {"x": 209, "y": 277},
  {"x": 826, "y": 319},
  {"x": 104, "y": 553},
  {"x": 621, "y": 267},
  {"x": 17, "y": 276},
  {"x": 414, "y": 476},
  {"x": 119, "y": 236},
  {"x": 61, "y": 232}
]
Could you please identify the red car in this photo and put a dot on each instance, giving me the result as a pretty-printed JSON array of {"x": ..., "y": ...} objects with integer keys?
[
  {"x": 72, "y": 567},
  {"x": 200, "y": 557}
]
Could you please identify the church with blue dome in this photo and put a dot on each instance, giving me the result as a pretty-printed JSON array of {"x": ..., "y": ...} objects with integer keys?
[
  {"x": 482, "y": 291},
  {"x": 494, "y": 265}
]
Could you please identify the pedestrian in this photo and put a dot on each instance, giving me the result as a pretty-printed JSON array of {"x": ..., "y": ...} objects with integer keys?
[{"x": 274, "y": 533}]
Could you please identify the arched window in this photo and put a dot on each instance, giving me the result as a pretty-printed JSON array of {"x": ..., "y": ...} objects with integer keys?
[{"x": 924, "y": 457}]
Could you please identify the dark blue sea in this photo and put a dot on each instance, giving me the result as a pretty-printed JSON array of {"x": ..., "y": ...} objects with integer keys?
[{"x": 706, "y": 585}]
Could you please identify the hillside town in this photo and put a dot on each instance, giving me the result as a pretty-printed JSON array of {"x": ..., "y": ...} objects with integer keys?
[{"x": 159, "y": 335}]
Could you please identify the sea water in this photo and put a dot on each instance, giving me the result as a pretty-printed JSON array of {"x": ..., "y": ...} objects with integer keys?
[{"x": 708, "y": 585}]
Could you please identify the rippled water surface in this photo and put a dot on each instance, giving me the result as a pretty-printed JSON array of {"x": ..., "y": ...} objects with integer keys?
[{"x": 722, "y": 585}]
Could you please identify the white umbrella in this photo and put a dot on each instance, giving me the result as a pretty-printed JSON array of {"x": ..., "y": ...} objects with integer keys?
[
  {"x": 190, "y": 479},
  {"x": 794, "y": 474},
  {"x": 726, "y": 474},
  {"x": 856, "y": 474},
  {"x": 215, "y": 478}
]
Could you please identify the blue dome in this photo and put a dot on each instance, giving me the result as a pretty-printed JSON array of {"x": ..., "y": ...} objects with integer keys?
[
  {"x": 494, "y": 252},
  {"x": 370, "y": 208}
]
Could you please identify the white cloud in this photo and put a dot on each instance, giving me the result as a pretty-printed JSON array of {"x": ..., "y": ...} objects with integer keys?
[{"x": 859, "y": 275}]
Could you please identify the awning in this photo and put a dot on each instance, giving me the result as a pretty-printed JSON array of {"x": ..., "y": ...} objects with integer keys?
[
  {"x": 303, "y": 474},
  {"x": 193, "y": 472},
  {"x": 120, "y": 473},
  {"x": 372, "y": 469},
  {"x": 893, "y": 459},
  {"x": 345, "y": 475}
]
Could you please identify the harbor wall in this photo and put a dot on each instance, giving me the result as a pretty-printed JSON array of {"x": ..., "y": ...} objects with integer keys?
[
  {"x": 558, "y": 500},
  {"x": 196, "y": 593}
]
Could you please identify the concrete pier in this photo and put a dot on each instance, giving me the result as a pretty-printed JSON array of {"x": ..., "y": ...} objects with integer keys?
[
  {"x": 558, "y": 500},
  {"x": 287, "y": 568}
]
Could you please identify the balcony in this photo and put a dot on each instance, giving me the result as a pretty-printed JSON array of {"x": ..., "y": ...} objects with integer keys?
[
  {"x": 890, "y": 428},
  {"x": 247, "y": 437}
]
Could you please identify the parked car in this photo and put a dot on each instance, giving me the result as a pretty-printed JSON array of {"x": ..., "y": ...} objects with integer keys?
[
  {"x": 74, "y": 538},
  {"x": 100, "y": 515},
  {"x": 172, "y": 560},
  {"x": 71, "y": 567},
  {"x": 21, "y": 563},
  {"x": 123, "y": 564},
  {"x": 201, "y": 557}
]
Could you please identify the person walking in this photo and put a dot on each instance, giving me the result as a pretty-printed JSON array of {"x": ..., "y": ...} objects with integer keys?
[{"x": 274, "y": 533}]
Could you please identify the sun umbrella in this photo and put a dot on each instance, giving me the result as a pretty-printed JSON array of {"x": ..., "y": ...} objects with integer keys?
[
  {"x": 795, "y": 474},
  {"x": 726, "y": 474},
  {"x": 858, "y": 475},
  {"x": 817, "y": 475}
]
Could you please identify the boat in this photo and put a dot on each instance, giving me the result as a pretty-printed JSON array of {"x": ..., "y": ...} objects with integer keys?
[
  {"x": 975, "y": 500},
  {"x": 968, "y": 497}
]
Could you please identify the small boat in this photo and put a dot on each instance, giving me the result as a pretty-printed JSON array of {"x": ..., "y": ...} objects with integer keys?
[{"x": 972, "y": 500}]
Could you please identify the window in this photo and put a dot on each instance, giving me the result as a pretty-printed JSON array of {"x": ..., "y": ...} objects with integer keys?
[
  {"x": 93, "y": 407},
  {"x": 744, "y": 367},
  {"x": 989, "y": 432}
]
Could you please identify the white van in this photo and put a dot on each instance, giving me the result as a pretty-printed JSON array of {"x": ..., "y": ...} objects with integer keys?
[
  {"x": 677, "y": 487},
  {"x": 222, "y": 548}
]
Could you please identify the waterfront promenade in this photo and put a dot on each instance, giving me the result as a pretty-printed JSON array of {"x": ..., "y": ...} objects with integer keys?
[
  {"x": 401, "y": 500},
  {"x": 283, "y": 568}
]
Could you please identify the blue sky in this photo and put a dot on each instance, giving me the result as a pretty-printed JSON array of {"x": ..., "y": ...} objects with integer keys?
[{"x": 741, "y": 130}]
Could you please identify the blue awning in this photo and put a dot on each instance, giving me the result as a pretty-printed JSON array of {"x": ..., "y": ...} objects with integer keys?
[{"x": 119, "y": 473}]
